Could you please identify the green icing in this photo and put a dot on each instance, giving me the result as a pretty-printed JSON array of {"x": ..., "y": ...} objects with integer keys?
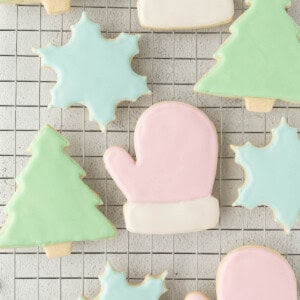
[
  {"x": 114, "y": 286},
  {"x": 94, "y": 71},
  {"x": 261, "y": 59},
  {"x": 273, "y": 175},
  {"x": 52, "y": 204}
]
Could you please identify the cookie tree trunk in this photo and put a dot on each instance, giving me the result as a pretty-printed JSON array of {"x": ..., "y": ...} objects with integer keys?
[
  {"x": 56, "y": 6},
  {"x": 263, "y": 105},
  {"x": 58, "y": 250}
]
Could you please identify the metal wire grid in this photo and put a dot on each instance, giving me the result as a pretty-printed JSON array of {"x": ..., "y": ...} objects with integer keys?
[{"x": 190, "y": 259}]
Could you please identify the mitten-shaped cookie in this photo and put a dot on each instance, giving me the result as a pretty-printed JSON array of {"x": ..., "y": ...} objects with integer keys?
[
  {"x": 253, "y": 273},
  {"x": 169, "y": 186},
  {"x": 52, "y": 6},
  {"x": 184, "y": 14}
]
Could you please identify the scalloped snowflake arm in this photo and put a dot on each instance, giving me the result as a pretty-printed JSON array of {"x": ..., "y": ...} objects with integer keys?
[
  {"x": 114, "y": 286},
  {"x": 273, "y": 175},
  {"x": 94, "y": 71}
]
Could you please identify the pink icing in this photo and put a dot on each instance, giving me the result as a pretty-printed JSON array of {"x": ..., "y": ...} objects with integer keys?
[
  {"x": 176, "y": 148},
  {"x": 256, "y": 273}
]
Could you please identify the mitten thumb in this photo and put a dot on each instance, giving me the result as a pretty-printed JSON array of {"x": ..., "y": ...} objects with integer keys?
[{"x": 120, "y": 166}]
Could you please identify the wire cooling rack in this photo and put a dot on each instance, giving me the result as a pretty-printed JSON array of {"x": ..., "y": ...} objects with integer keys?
[{"x": 173, "y": 62}]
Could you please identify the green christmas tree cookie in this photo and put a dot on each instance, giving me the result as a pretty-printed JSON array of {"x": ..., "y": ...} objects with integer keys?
[
  {"x": 52, "y": 206},
  {"x": 260, "y": 61},
  {"x": 114, "y": 286}
]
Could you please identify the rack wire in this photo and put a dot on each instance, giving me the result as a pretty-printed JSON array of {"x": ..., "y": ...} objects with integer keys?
[{"x": 173, "y": 62}]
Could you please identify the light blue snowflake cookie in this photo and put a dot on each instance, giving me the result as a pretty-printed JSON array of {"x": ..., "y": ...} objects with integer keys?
[
  {"x": 94, "y": 71},
  {"x": 273, "y": 175},
  {"x": 114, "y": 286}
]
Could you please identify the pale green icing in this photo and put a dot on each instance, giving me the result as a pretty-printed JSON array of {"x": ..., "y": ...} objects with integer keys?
[
  {"x": 114, "y": 286},
  {"x": 273, "y": 175},
  {"x": 261, "y": 58},
  {"x": 94, "y": 71},
  {"x": 52, "y": 204}
]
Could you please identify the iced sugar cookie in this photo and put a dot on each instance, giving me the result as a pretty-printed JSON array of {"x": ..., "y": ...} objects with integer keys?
[
  {"x": 52, "y": 206},
  {"x": 169, "y": 186},
  {"x": 51, "y": 6},
  {"x": 260, "y": 61},
  {"x": 94, "y": 72},
  {"x": 114, "y": 286},
  {"x": 272, "y": 175},
  {"x": 184, "y": 14},
  {"x": 254, "y": 273}
]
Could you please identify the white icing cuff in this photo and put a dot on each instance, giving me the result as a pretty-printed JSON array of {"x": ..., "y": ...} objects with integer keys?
[
  {"x": 184, "y": 14},
  {"x": 182, "y": 217}
]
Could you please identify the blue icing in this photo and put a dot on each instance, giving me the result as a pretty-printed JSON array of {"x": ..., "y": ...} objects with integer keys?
[
  {"x": 273, "y": 175},
  {"x": 94, "y": 71},
  {"x": 114, "y": 286}
]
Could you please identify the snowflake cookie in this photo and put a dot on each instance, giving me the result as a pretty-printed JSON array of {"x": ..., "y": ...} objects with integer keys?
[
  {"x": 94, "y": 71},
  {"x": 114, "y": 286},
  {"x": 273, "y": 175}
]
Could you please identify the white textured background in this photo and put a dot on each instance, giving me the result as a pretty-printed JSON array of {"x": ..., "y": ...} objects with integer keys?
[{"x": 173, "y": 62}]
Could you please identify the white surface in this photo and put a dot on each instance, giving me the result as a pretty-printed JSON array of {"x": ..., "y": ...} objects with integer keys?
[{"x": 26, "y": 275}]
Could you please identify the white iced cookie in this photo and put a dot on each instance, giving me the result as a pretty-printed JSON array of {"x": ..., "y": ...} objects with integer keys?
[{"x": 184, "y": 14}]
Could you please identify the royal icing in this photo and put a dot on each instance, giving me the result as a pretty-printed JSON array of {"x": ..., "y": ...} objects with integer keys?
[
  {"x": 184, "y": 14},
  {"x": 169, "y": 186},
  {"x": 114, "y": 286},
  {"x": 261, "y": 59},
  {"x": 52, "y": 204},
  {"x": 258, "y": 273},
  {"x": 51, "y": 6},
  {"x": 94, "y": 71},
  {"x": 272, "y": 175}
]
